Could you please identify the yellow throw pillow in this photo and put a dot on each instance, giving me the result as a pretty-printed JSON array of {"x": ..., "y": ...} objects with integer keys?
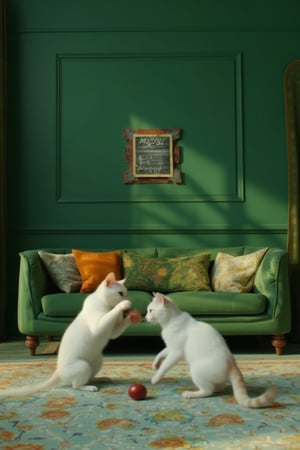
[
  {"x": 188, "y": 273},
  {"x": 235, "y": 273},
  {"x": 94, "y": 266}
]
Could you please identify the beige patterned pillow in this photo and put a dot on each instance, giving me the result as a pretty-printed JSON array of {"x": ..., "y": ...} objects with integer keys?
[
  {"x": 235, "y": 273},
  {"x": 63, "y": 270}
]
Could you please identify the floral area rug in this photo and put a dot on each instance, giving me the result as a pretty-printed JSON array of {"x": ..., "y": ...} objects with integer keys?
[{"x": 108, "y": 419}]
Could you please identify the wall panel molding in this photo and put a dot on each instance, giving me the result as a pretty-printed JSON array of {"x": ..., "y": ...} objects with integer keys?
[
  {"x": 213, "y": 230},
  {"x": 67, "y": 68},
  {"x": 162, "y": 16}
]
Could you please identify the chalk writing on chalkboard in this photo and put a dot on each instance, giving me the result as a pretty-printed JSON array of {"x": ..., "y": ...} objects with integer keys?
[{"x": 152, "y": 155}]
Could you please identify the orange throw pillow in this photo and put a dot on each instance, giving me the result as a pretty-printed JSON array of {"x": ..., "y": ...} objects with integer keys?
[{"x": 94, "y": 266}]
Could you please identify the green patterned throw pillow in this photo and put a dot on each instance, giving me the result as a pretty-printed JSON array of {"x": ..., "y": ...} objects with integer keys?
[
  {"x": 235, "y": 273},
  {"x": 188, "y": 273}
]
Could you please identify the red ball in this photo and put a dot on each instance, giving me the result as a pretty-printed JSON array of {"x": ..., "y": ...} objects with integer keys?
[
  {"x": 137, "y": 391},
  {"x": 134, "y": 316}
]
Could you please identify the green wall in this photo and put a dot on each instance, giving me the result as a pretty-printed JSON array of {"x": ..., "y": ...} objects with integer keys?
[{"x": 81, "y": 71}]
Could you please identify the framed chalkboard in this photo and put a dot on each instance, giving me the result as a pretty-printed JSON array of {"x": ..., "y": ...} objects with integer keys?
[{"x": 152, "y": 155}]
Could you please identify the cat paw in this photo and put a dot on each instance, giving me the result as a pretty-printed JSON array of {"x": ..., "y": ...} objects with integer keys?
[
  {"x": 187, "y": 394},
  {"x": 156, "y": 364},
  {"x": 155, "y": 379},
  {"x": 124, "y": 305},
  {"x": 88, "y": 388}
]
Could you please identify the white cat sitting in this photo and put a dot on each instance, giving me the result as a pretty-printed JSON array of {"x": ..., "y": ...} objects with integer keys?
[
  {"x": 210, "y": 361},
  {"x": 80, "y": 352}
]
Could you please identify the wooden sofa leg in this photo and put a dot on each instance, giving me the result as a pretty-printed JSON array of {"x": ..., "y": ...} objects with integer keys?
[
  {"x": 32, "y": 342},
  {"x": 279, "y": 341}
]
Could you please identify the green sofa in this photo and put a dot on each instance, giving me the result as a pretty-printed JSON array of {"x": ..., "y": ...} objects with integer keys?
[{"x": 44, "y": 311}]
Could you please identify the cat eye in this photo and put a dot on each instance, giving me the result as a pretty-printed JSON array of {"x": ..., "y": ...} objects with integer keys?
[{"x": 121, "y": 293}]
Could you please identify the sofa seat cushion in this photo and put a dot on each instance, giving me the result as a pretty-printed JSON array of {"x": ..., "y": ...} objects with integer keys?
[
  {"x": 62, "y": 305},
  {"x": 140, "y": 300},
  {"x": 197, "y": 303},
  {"x": 201, "y": 303},
  {"x": 224, "y": 304},
  {"x": 69, "y": 305}
]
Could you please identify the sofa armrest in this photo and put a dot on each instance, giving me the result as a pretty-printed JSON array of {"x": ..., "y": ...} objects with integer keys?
[
  {"x": 272, "y": 280},
  {"x": 34, "y": 282}
]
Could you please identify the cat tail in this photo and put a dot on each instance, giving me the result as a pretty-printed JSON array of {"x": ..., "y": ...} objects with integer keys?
[
  {"x": 241, "y": 394},
  {"x": 54, "y": 380}
]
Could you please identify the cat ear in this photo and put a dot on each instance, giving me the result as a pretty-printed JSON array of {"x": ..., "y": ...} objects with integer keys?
[
  {"x": 122, "y": 281},
  {"x": 110, "y": 279},
  {"x": 161, "y": 298}
]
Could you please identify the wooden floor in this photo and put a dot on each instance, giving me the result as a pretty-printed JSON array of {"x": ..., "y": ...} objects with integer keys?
[{"x": 15, "y": 350}]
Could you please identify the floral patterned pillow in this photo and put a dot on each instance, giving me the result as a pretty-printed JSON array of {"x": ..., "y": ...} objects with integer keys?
[
  {"x": 235, "y": 273},
  {"x": 188, "y": 273}
]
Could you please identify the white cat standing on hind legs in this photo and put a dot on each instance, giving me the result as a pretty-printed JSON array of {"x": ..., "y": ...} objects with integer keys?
[
  {"x": 80, "y": 352},
  {"x": 210, "y": 361}
]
